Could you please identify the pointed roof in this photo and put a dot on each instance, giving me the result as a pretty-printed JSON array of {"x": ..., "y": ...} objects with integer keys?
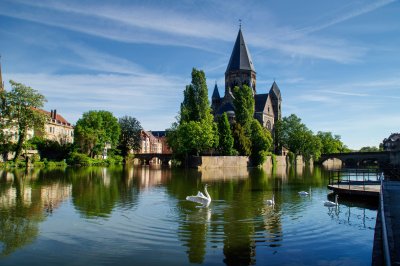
[
  {"x": 240, "y": 57},
  {"x": 260, "y": 100},
  {"x": 215, "y": 94},
  {"x": 275, "y": 89}
]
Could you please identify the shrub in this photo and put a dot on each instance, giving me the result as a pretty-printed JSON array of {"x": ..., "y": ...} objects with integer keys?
[{"x": 79, "y": 158}]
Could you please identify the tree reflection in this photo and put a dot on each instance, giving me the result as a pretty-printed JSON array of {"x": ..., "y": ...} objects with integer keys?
[
  {"x": 229, "y": 220},
  {"x": 19, "y": 216}
]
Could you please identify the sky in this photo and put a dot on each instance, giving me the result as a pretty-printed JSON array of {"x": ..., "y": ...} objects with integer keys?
[{"x": 337, "y": 63}]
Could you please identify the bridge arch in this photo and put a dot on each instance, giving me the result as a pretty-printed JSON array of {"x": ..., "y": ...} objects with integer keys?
[{"x": 358, "y": 158}]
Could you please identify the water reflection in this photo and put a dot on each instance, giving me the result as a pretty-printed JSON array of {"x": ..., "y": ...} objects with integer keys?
[
  {"x": 144, "y": 208},
  {"x": 353, "y": 213}
]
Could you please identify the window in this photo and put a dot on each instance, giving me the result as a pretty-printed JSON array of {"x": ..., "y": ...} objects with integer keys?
[{"x": 269, "y": 125}]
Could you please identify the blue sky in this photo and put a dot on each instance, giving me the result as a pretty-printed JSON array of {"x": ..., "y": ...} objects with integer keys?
[{"x": 337, "y": 63}]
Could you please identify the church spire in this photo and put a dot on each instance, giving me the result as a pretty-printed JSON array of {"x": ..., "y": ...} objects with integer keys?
[
  {"x": 215, "y": 94},
  {"x": 240, "y": 70},
  {"x": 240, "y": 57}
]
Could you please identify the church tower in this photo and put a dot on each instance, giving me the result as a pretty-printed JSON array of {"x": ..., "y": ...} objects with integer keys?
[
  {"x": 276, "y": 100},
  {"x": 240, "y": 70},
  {"x": 215, "y": 98}
]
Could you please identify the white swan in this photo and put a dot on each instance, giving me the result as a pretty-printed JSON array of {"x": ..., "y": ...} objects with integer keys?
[
  {"x": 271, "y": 201},
  {"x": 304, "y": 193},
  {"x": 200, "y": 198},
  {"x": 330, "y": 203}
]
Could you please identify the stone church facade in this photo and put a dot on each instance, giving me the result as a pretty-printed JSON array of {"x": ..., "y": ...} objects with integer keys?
[{"x": 241, "y": 71}]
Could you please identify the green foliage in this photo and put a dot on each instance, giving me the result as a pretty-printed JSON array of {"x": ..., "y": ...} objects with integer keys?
[
  {"x": 130, "y": 134},
  {"x": 369, "y": 149},
  {"x": 50, "y": 149},
  {"x": 94, "y": 130},
  {"x": 194, "y": 137},
  {"x": 195, "y": 105},
  {"x": 274, "y": 161},
  {"x": 242, "y": 142},
  {"x": 261, "y": 143},
  {"x": 298, "y": 138},
  {"x": 330, "y": 143},
  {"x": 244, "y": 106},
  {"x": 196, "y": 131},
  {"x": 292, "y": 157},
  {"x": 277, "y": 139},
  {"x": 20, "y": 111},
  {"x": 226, "y": 140},
  {"x": 79, "y": 159}
]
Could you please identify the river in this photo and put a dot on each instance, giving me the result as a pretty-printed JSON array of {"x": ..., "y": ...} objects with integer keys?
[{"x": 139, "y": 216}]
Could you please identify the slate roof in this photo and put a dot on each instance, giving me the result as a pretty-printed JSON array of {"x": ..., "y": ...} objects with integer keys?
[
  {"x": 260, "y": 102},
  {"x": 158, "y": 134},
  {"x": 215, "y": 94},
  {"x": 394, "y": 137},
  {"x": 276, "y": 90},
  {"x": 240, "y": 57},
  {"x": 226, "y": 107}
]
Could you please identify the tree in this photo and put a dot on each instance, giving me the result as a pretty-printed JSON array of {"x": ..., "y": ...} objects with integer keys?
[
  {"x": 195, "y": 132},
  {"x": 193, "y": 137},
  {"x": 225, "y": 136},
  {"x": 21, "y": 105},
  {"x": 369, "y": 149},
  {"x": 195, "y": 105},
  {"x": 330, "y": 143},
  {"x": 261, "y": 142},
  {"x": 244, "y": 106},
  {"x": 94, "y": 130},
  {"x": 298, "y": 138},
  {"x": 242, "y": 142},
  {"x": 130, "y": 134}
]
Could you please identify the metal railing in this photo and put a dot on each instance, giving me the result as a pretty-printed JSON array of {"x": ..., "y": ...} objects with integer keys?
[
  {"x": 386, "y": 252},
  {"x": 347, "y": 177}
]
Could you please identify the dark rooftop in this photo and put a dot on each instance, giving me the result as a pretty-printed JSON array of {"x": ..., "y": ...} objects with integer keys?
[{"x": 240, "y": 57}]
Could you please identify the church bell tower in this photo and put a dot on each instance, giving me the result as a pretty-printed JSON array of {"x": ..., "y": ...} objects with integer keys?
[{"x": 240, "y": 70}]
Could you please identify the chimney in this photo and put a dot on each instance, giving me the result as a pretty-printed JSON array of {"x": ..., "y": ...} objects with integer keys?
[
  {"x": 55, "y": 114},
  {"x": 51, "y": 114}
]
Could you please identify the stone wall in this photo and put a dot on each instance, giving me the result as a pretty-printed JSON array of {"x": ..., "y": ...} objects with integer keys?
[
  {"x": 209, "y": 162},
  {"x": 281, "y": 161},
  {"x": 299, "y": 160}
]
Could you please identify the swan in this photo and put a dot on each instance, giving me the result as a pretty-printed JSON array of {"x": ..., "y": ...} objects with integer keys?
[
  {"x": 304, "y": 193},
  {"x": 201, "y": 198},
  {"x": 271, "y": 201},
  {"x": 330, "y": 203}
]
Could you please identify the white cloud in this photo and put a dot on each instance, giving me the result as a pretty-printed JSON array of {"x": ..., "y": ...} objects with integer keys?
[
  {"x": 138, "y": 96},
  {"x": 173, "y": 26},
  {"x": 342, "y": 16}
]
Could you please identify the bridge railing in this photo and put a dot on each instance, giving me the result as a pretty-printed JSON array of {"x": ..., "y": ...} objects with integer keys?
[{"x": 356, "y": 176}]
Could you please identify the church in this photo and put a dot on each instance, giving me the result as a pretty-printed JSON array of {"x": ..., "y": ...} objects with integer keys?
[{"x": 241, "y": 71}]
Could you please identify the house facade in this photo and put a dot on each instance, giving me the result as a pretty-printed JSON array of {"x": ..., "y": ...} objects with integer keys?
[
  {"x": 149, "y": 143},
  {"x": 154, "y": 142},
  {"x": 57, "y": 128}
]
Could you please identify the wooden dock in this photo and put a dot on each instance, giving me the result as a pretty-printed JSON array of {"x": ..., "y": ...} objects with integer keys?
[
  {"x": 356, "y": 189},
  {"x": 355, "y": 182}
]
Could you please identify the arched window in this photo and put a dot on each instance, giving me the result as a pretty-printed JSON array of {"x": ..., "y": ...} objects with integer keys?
[{"x": 269, "y": 125}]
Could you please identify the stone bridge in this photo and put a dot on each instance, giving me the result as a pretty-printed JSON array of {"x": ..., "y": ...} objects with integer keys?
[
  {"x": 145, "y": 158},
  {"x": 359, "y": 158}
]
